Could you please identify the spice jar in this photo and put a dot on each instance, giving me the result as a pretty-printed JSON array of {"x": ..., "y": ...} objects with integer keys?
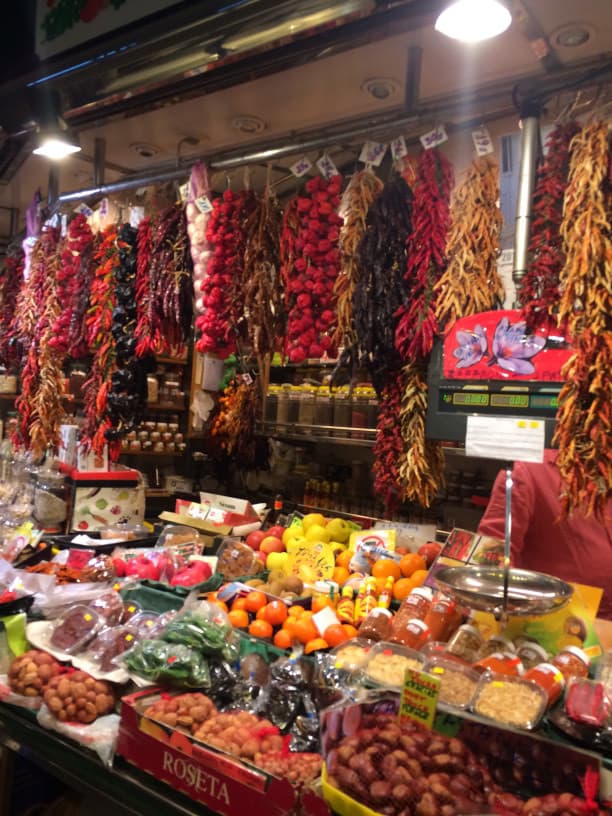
[
  {"x": 572, "y": 662},
  {"x": 501, "y": 663},
  {"x": 371, "y": 408},
  {"x": 307, "y": 407},
  {"x": 532, "y": 654},
  {"x": 324, "y": 410},
  {"x": 549, "y": 678},
  {"x": 342, "y": 411},
  {"x": 416, "y": 605},
  {"x": 440, "y": 617},
  {"x": 271, "y": 403},
  {"x": 414, "y": 634},
  {"x": 295, "y": 396},
  {"x": 282, "y": 406},
  {"x": 496, "y": 643},
  {"x": 359, "y": 412},
  {"x": 377, "y": 626},
  {"x": 465, "y": 643}
]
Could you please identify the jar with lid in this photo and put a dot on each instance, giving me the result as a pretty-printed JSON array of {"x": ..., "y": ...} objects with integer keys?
[
  {"x": 532, "y": 654},
  {"x": 415, "y": 634},
  {"x": 307, "y": 408},
  {"x": 282, "y": 406},
  {"x": 496, "y": 643},
  {"x": 271, "y": 404},
  {"x": 342, "y": 411},
  {"x": 416, "y": 605},
  {"x": 371, "y": 407},
  {"x": 501, "y": 663},
  {"x": 572, "y": 662},
  {"x": 465, "y": 643},
  {"x": 548, "y": 677},
  {"x": 358, "y": 412},
  {"x": 377, "y": 626},
  {"x": 440, "y": 617},
  {"x": 50, "y": 505},
  {"x": 295, "y": 397},
  {"x": 324, "y": 410}
]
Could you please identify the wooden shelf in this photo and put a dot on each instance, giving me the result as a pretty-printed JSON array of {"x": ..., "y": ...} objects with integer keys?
[{"x": 9, "y": 397}]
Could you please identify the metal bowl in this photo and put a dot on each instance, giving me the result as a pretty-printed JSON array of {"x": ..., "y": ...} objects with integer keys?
[{"x": 529, "y": 593}]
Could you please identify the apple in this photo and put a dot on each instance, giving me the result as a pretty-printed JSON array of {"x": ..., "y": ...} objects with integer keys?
[
  {"x": 296, "y": 543},
  {"x": 271, "y": 544},
  {"x": 276, "y": 531},
  {"x": 338, "y": 529},
  {"x": 262, "y": 556},
  {"x": 429, "y": 552},
  {"x": 277, "y": 561},
  {"x": 255, "y": 538},
  {"x": 295, "y": 531},
  {"x": 317, "y": 533}
]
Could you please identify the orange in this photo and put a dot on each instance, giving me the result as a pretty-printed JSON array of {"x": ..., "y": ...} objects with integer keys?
[
  {"x": 282, "y": 639},
  {"x": 261, "y": 614},
  {"x": 289, "y": 626},
  {"x": 418, "y": 577},
  {"x": 296, "y": 611},
  {"x": 254, "y": 601},
  {"x": 239, "y": 603},
  {"x": 385, "y": 568},
  {"x": 305, "y": 630},
  {"x": 315, "y": 645},
  {"x": 335, "y": 634},
  {"x": 343, "y": 559},
  {"x": 410, "y": 563},
  {"x": 275, "y": 612},
  {"x": 221, "y": 604},
  {"x": 402, "y": 588},
  {"x": 261, "y": 629},
  {"x": 351, "y": 631},
  {"x": 319, "y": 602},
  {"x": 239, "y": 618},
  {"x": 341, "y": 575}
]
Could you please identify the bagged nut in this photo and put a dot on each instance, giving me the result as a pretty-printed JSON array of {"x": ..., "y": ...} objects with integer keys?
[
  {"x": 77, "y": 697},
  {"x": 29, "y": 674},
  {"x": 185, "y": 710}
]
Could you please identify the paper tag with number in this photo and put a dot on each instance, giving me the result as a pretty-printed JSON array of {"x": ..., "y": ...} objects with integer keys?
[
  {"x": 203, "y": 204},
  {"x": 184, "y": 191},
  {"x": 372, "y": 153},
  {"x": 434, "y": 137},
  {"x": 327, "y": 167},
  {"x": 136, "y": 216},
  {"x": 103, "y": 208},
  {"x": 301, "y": 167},
  {"x": 482, "y": 142},
  {"x": 398, "y": 148},
  {"x": 83, "y": 209},
  {"x": 246, "y": 378}
]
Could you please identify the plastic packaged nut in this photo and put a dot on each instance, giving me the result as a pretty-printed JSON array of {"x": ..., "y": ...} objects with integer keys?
[
  {"x": 387, "y": 664},
  {"x": 351, "y": 655},
  {"x": 75, "y": 628},
  {"x": 510, "y": 700},
  {"x": 236, "y": 559},
  {"x": 457, "y": 683}
]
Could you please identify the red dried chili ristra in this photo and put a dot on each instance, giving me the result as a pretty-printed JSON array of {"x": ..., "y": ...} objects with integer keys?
[
  {"x": 388, "y": 446},
  {"x": 315, "y": 263},
  {"x": 145, "y": 341},
  {"x": 11, "y": 280},
  {"x": 426, "y": 261},
  {"x": 539, "y": 292}
]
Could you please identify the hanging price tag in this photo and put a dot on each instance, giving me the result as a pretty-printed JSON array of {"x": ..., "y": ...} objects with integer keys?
[
  {"x": 184, "y": 191},
  {"x": 419, "y": 698},
  {"x": 203, "y": 204},
  {"x": 372, "y": 153},
  {"x": 327, "y": 167},
  {"x": 482, "y": 142},
  {"x": 103, "y": 208},
  {"x": 301, "y": 167},
  {"x": 434, "y": 137},
  {"x": 83, "y": 209},
  {"x": 136, "y": 216},
  {"x": 398, "y": 148}
]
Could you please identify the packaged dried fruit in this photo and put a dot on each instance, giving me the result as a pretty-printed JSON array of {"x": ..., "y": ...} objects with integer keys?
[
  {"x": 351, "y": 655},
  {"x": 237, "y": 560},
  {"x": 75, "y": 628},
  {"x": 510, "y": 700},
  {"x": 572, "y": 662},
  {"x": 457, "y": 683},
  {"x": 387, "y": 664},
  {"x": 109, "y": 606},
  {"x": 587, "y": 702}
]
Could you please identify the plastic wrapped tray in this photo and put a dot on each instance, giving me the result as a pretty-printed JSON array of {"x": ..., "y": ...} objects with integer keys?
[
  {"x": 74, "y": 629},
  {"x": 387, "y": 664},
  {"x": 236, "y": 560},
  {"x": 457, "y": 682},
  {"x": 352, "y": 655},
  {"x": 509, "y": 700}
]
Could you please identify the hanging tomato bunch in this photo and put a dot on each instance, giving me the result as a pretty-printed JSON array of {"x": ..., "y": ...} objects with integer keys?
[{"x": 314, "y": 265}]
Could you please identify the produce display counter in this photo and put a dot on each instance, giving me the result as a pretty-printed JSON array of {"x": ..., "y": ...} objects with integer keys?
[{"x": 122, "y": 787}]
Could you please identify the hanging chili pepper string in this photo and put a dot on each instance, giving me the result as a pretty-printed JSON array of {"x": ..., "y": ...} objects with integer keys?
[
  {"x": 145, "y": 341},
  {"x": 11, "y": 280},
  {"x": 388, "y": 445}
]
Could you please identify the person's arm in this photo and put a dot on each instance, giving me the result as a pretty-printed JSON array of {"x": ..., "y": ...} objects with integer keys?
[{"x": 493, "y": 523}]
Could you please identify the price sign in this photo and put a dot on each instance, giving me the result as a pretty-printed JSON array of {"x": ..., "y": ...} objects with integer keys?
[
  {"x": 398, "y": 148},
  {"x": 373, "y": 153},
  {"x": 506, "y": 438},
  {"x": 203, "y": 204},
  {"x": 327, "y": 167},
  {"x": 419, "y": 698},
  {"x": 434, "y": 137},
  {"x": 482, "y": 142},
  {"x": 83, "y": 209},
  {"x": 301, "y": 167}
]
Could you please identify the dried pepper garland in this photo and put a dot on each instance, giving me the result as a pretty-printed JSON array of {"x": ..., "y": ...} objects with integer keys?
[
  {"x": 388, "y": 446},
  {"x": 233, "y": 427},
  {"x": 426, "y": 261},
  {"x": 100, "y": 341},
  {"x": 539, "y": 292},
  {"x": 358, "y": 197},
  {"x": 145, "y": 341},
  {"x": 470, "y": 283},
  {"x": 312, "y": 272},
  {"x": 11, "y": 280},
  {"x": 379, "y": 289},
  {"x": 584, "y": 417}
]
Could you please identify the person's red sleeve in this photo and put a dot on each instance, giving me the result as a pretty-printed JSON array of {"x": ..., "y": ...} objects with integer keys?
[{"x": 493, "y": 522}]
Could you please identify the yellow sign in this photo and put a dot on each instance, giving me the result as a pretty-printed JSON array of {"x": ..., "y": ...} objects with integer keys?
[{"x": 419, "y": 698}]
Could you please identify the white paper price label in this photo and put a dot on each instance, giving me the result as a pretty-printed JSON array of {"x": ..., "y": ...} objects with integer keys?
[
  {"x": 398, "y": 148},
  {"x": 184, "y": 191},
  {"x": 103, "y": 208},
  {"x": 326, "y": 167},
  {"x": 203, "y": 204},
  {"x": 506, "y": 438},
  {"x": 136, "y": 216},
  {"x": 83, "y": 209},
  {"x": 482, "y": 142},
  {"x": 301, "y": 167},
  {"x": 434, "y": 137},
  {"x": 373, "y": 153}
]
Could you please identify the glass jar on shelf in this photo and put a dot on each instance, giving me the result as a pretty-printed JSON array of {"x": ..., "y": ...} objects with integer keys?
[
  {"x": 293, "y": 416},
  {"x": 282, "y": 407},
  {"x": 342, "y": 412},
  {"x": 272, "y": 404},
  {"x": 324, "y": 410},
  {"x": 306, "y": 412},
  {"x": 359, "y": 412}
]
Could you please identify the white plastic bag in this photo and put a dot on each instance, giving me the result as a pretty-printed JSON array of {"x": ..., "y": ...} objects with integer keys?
[
  {"x": 101, "y": 736},
  {"x": 7, "y": 695}
]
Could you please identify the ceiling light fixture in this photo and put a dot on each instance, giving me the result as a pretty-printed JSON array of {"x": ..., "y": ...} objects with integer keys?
[
  {"x": 381, "y": 88},
  {"x": 248, "y": 124},
  {"x": 572, "y": 36},
  {"x": 472, "y": 21},
  {"x": 56, "y": 143}
]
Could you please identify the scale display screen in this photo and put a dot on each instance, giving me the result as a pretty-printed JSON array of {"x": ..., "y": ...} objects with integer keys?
[
  {"x": 467, "y": 398},
  {"x": 510, "y": 400},
  {"x": 466, "y": 401}
]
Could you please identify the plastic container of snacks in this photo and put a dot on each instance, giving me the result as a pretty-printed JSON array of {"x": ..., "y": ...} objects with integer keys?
[
  {"x": 604, "y": 671},
  {"x": 549, "y": 678},
  {"x": 504, "y": 663},
  {"x": 532, "y": 654},
  {"x": 587, "y": 702},
  {"x": 387, "y": 664},
  {"x": 235, "y": 560},
  {"x": 435, "y": 648},
  {"x": 457, "y": 682},
  {"x": 414, "y": 634},
  {"x": 510, "y": 700},
  {"x": 572, "y": 662},
  {"x": 465, "y": 643},
  {"x": 352, "y": 654},
  {"x": 496, "y": 643}
]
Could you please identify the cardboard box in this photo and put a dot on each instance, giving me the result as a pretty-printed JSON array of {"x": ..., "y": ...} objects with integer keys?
[
  {"x": 214, "y": 514},
  {"x": 220, "y": 782}
]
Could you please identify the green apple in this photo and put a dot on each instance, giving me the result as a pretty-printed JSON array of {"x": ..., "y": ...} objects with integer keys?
[
  {"x": 277, "y": 561},
  {"x": 295, "y": 531},
  {"x": 317, "y": 533},
  {"x": 295, "y": 544},
  {"x": 339, "y": 530}
]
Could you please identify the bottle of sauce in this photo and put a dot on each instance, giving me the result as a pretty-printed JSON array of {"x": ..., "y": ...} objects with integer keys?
[
  {"x": 414, "y": 634},
  {"x": 366, "y": 603},
  {"x": 549, "y": 678},
  {"x": 572, "y": 662},
  {"x": 440, "y": 617},
  {"x": 501, "y": 663},
  {"x": 386, "y": 596},
  {"x": 345, "y": 610},
  {"x": 377, "y": 626},
  {"x": 416, "y": 605}
]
